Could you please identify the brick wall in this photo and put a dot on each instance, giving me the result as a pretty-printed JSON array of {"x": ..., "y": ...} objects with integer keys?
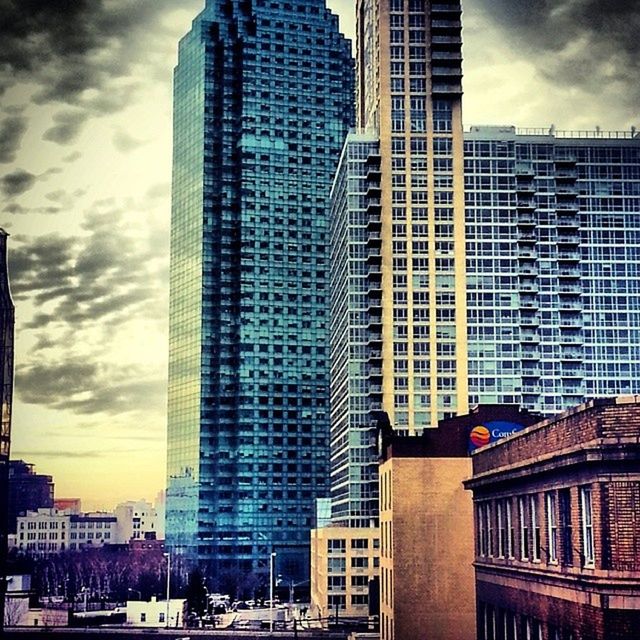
[{"x": 573, "y": 429}]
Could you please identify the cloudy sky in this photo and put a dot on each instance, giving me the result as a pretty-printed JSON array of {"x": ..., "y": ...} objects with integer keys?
[{"x": 85, "y": 148}]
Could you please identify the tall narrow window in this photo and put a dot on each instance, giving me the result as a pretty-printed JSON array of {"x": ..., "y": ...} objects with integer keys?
[
  {"x": 490, "y": 528},
  {"x": 510, "y": 528},
  {"x": 552, "y": 528},
  {"x": 482, "y": 531},
  {"x": 587, "y": 526},
  {"x": 523, "y": 525},
  {"x": 564, "y": 498},
  {"x": 502, "y": 530},
  {"x": 535, "y": 528}
]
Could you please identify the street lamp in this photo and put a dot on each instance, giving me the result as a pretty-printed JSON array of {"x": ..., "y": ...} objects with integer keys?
[
  {"x": 168, "y": 557},
  {"x": 271, "y": 563}
]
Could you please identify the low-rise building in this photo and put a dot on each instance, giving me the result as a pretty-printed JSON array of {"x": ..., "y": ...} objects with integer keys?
[
  {"x": 153, "y": 613},
  {"x": 427, "y": 588},
  {"x": 92, "y": 530},
  {"x": 344, "y": 561},
  {"x": 557, "y": 540},
  {"x": 136, "y": 521},
  {"x": 42, "y": 532}
]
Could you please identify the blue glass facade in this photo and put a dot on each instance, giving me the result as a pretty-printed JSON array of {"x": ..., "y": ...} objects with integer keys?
[{"x": 263, "y": 100}]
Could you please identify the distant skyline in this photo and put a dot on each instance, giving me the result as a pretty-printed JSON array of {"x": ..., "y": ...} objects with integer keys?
[{"x": 85, "y": 155}]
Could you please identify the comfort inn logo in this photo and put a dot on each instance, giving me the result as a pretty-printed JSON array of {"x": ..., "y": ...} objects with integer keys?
[{"x": 489, "y": 432}]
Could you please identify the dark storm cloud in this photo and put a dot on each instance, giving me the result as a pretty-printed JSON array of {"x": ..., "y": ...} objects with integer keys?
[
  {"x": 588, "y": 44},
  {"x": 69, "y": 47},
  {"x": 17, "y": 182},
  {"x": 11, "y": 131},
  {"x": 67, "y": 127},
  {"x": 100, "y": 279},
  {"x": 88, "y": 389}
]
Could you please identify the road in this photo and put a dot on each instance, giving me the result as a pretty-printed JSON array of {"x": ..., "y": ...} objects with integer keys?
[{"x": 62, "y": 633}]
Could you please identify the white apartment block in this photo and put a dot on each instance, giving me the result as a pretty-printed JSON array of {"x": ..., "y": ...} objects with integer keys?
[
  {"x": 136, "y": 521},
  {"x": 43, "y": 531}
]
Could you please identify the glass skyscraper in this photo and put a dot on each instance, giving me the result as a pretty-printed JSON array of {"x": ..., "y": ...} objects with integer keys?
[{"x": 263, "y": 100}]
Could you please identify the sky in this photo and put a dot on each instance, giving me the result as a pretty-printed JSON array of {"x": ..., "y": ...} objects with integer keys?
[{"x": 85, "y": 168}]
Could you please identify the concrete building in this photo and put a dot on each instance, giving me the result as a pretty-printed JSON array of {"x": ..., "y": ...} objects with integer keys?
[
  {"x": 28, "y": 491},
  {"x": 344, "y": 561},
  {"x": 43, "y": 532},
  {"x": 427, "y": 588},
  {"x": 92, "y": 530},
  {"x": 7, "y": 322},
  {"x": 137, "y": 520},
  {"x": 154, "y": 613},
  {"x": 556, "y": 527}
]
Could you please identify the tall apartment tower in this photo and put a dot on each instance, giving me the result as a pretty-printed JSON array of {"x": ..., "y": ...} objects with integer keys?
[
  {"x": 399, "y": 340},
  {"x": 7, "y": 321},
  {"x": 263, "y": 100},
  {"x": 553, "y": 237}
]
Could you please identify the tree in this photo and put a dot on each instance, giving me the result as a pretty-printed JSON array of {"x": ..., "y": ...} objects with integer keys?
[{"x": 197, "y": 595}]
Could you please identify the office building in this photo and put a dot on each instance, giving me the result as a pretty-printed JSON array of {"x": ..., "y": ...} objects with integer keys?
[
  {"x": 556, "y": 530},
  {"x": 263, "y": 99},
  {"x": 7, "y": 322}
]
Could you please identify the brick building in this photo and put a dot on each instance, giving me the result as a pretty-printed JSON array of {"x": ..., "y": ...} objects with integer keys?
[{"x": 557, "y": 527}]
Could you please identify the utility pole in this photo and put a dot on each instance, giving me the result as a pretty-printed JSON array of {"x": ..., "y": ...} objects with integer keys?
[
  {"x": 271, "y": 563},
  {"x": 168, "y": 557}
]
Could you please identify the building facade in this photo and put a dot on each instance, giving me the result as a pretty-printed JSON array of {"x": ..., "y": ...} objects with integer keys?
[
  {"x": 137, "y": 520},
  {"x": 553, "y": 241},
  {"x": 427, "y": 587},
  {"x": 43, "y": 532},
  {"x": 7, "y": 322},
  {"x": 28, "y": 491},
  {"x": 344, "y": 562},
  {"x": 263, "y": 99},
  {"x": 556, "y": 531}
]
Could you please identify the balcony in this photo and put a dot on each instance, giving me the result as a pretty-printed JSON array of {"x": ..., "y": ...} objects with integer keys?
[
  {"x": 526, "y": 219},
  {"x": 567, "y": 206},
  {"x": 529, "y": 321},
  {"x": 446, "y": 89},
  {"x": 571, "y": 289},
  {"x": 570, "y": 321},
  {"x": 566, "y": 191},
  {"x": 454, "y": 9},
  {"x": 374, "y": 191},
  {"x": 447, "y": 57},
  {"x": 526, "y": 237},
  {"x": 569, "y": 256},
  {"x": 526, "y": 205},
  {"x": 566, "y": 174}
]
